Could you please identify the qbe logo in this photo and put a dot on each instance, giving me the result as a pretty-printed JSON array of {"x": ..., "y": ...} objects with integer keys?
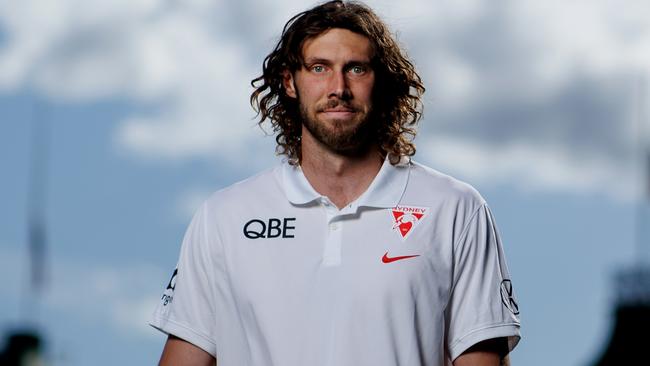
[{"x": 271, "y": 228}]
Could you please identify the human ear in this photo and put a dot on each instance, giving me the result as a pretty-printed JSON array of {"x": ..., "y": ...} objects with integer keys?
[{"x": 289, "y": 84}]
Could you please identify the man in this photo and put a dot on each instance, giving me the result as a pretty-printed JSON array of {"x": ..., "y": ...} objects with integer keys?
[{"x": 349, "y": 253}]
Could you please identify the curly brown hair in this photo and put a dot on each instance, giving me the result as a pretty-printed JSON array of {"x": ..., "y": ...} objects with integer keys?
[{"x": 398, "y": 87}]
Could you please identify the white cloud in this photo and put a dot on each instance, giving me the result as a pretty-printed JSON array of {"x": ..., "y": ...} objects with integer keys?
[
  {"x": 190, "y": 201},
  {"x": 531, "y": 166},
  {"x": 133, "y": 316},
  {"x": 531, "y": 94},
  {"x": 189, "y": 64},
  {"x": 170, "y": 57},
  {"x": 40, "y": 32},
  {"x": 455, "y": 80},
  {"x": 601, "y": 36}
]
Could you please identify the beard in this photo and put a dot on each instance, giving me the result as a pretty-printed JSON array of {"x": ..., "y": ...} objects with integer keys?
[{"x": 348, "y": 137}]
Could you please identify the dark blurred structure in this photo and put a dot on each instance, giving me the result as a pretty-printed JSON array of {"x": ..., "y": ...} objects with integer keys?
[
  {"x": 630, "y": 337},
  {"x": 22, "y": 348},
  {"x": 630, "y": 333}
]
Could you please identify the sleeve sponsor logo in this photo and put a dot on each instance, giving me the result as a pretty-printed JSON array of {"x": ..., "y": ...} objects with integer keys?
[
  {"x": 271, "y": 228},
  {"x": 508, "y": 297},
  {"x": 405, "y": 218},
  {"x": 168, "y": 295}
]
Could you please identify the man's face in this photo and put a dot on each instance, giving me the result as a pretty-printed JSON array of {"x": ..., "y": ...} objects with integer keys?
[{"x": 334, "y": 89}]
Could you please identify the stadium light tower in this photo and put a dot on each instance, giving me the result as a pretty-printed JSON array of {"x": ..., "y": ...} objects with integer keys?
[{"x": 23, "y": 345}]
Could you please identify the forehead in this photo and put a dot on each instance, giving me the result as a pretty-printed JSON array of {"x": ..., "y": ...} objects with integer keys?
[{"x": 337, "y": 43}]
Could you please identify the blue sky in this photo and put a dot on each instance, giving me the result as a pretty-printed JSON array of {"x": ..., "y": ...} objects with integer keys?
[{"x": 532, "y": 103}]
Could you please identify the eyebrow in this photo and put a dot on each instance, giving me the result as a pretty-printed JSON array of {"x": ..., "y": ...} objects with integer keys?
[{"x": 316, "y": 60}]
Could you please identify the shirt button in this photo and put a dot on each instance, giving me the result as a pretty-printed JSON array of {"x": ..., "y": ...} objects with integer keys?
[{"x": 334, "y": 226}]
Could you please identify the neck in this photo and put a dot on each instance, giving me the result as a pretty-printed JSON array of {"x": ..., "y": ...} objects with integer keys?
[{"x": 341, "y": 178}]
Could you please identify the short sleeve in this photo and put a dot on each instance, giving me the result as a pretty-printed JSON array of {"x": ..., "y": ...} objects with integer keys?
[
  {"x": 482, "y": 304},
  {"x": 187, "y": 306}
]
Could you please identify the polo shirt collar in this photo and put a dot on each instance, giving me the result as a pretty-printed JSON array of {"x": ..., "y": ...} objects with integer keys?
[
  {"x": 385, "y": 191},
  {"x": 296, "y": 186}
]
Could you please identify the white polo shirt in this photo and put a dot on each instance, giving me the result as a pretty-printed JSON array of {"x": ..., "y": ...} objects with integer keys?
[{"x": 271, "y": 273}]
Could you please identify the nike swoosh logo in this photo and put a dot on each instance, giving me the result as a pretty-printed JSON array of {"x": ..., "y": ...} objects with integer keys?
[{"x": 387, "y": 259}]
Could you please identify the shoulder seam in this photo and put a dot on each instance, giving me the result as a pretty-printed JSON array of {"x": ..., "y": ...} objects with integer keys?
[
  {"x": 454, "y": 249},
  {"x": 463, "y": 233}
]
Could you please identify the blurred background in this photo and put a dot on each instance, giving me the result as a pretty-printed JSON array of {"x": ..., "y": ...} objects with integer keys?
[{"x": 118, "y": 118}]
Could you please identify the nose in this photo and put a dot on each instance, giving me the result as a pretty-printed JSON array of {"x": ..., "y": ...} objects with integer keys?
[{"x": 339, "y": 86}]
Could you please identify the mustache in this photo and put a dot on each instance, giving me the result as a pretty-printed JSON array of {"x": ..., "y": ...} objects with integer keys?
[{"x": 334, "y": 103}]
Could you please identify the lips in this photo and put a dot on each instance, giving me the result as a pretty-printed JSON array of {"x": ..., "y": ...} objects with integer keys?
[{"x": 338, "y": 112}]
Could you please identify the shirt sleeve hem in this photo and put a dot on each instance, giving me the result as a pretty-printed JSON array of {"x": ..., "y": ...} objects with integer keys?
[
  {"x": 185, "y": 333},
  {"x": 510, "y": 330}
]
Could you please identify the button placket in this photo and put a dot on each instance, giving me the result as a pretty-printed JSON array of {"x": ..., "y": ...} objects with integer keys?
[{"x": 332, "y": 249}]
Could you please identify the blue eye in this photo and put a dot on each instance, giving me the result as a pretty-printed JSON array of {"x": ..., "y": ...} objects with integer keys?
[
  {"x": 357, "y": 70},
  {"x": 318, "y": 68}
]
